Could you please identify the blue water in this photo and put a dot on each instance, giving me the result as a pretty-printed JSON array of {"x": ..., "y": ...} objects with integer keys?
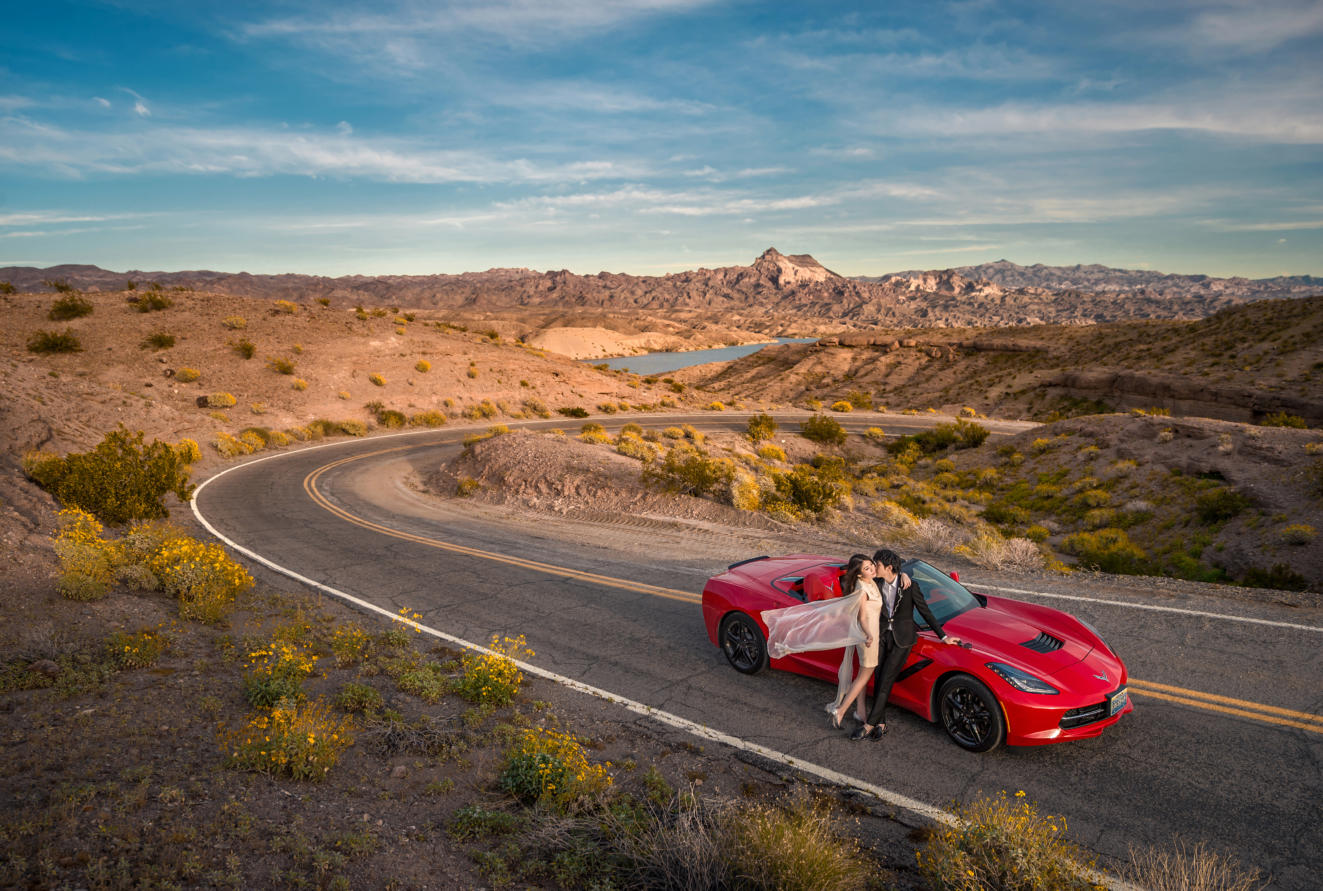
[{"x": 657, "y": 363}]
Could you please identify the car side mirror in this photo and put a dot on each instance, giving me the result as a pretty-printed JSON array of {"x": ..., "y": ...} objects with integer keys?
[{"x": 955, "y": 576}]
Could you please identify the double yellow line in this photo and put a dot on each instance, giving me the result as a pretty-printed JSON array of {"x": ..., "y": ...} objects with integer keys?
[{"x": 1211, "y": 702}]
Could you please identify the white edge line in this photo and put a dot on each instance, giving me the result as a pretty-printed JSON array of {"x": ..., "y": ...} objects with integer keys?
[
  {"x": 1153, "y": 607},
  {"x": 702, "y": 731}
]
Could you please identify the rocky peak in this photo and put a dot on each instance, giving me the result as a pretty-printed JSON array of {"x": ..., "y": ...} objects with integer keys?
[{"x": 793, "y": 270}]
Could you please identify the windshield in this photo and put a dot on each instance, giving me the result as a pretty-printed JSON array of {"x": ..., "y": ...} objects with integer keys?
[{"x": 946, "y": 597}]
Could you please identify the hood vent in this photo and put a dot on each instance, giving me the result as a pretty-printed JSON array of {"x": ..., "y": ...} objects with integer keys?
[{"x": 1043, "y": 643}]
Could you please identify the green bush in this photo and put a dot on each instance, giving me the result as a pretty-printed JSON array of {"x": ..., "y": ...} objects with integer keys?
[
  {"x": 70, "y": 306},
  {"x": 120, "y": 480},
  {"x": 246, "y": 348},
  {"x": 687, "y": 471},
  {"x": 806, "y": 489},
  {"x": 280, "y": 366},
  {"x": 572, "y": 411},
  {"x": 823, "y": 429},
  {"x": 1280, "y": 578},
  {"x": 761, "y": 426},
  {"x": 54, "y": 342},
  {"x": 963, "y": 434},
  {"x": 152, "y": 301},
  {"x": 1109, "y": 550},
  {"x": 1276, "y": 419},
  {"x": 158, "y": 340},
  {"x": 1219, "y": 505},
  {"x": 860, "y": 400}
]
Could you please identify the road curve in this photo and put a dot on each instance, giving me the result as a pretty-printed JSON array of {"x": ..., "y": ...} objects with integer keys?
[{"x": 1224, "y": 745}]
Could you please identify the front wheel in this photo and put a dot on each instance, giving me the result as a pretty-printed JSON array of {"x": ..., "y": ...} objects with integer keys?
[
  {"x": 970, "y": 714},
  {"x": 742, "y": 642}
]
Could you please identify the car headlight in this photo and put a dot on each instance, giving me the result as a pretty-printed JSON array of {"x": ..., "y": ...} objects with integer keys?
[{"x": 1022, "y": 680}]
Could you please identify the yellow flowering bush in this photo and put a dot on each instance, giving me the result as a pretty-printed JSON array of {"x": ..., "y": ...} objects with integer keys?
[
  {"x": 551, "y": 769},
  {"x": 1001, "y": 842},
  {"x": 187, "y": 375},
  {"x": 141, "y": 649},
  {"x": 87, "y": 561},
  {"x": 423, "y": 366},
  {"x": 377, "y": 379},
  {"x": 276, "y": 673},
  {"x": 188, "y": 451},
  {"x": 493, "y": 678},
  {"x": 349, "y": 644},
  {"x": 302, "y": 741},
  {"x": 202, "y": 576}
]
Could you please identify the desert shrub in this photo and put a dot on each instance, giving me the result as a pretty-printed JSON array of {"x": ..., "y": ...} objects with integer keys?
[
  {"x": 59, "y": 285},
  {"x": 632, "y": 446},
  {"x": 54, "y": 342},
  {"x": 794, "y": 845},
  {"x": 841, "y": 405},
  {"x": 119, "y": 480},
  {"x": 69, "y": 306},
  {"x": 1005, "y": 844},
  {"x": 1109, "y": 550},
  {"x": 229, "y": 447},
  {"x": 158, "y": 340},
  {"x": 302, "y": 741},
  {"x": 428, "y": 419},
  {"x": 806, "y": 489},
  {"x": 234, "y": 323},
  {"x": 201, "y": 576},
  {"x": 716, "y": 405},
  {"x": 551, "y": 769},
  {"x": 744, "y": 493},
  {"x": 152, "y": 301},
  {"x": 275, "y": 439},
  {"x": 349, "y": 644},
  {"x": 87, "y": 563},
  {"x": 823, "y": 429},
  {"x": 474, "y": 821},
  {"x": 593, "y": 433},
  {"x": 188, "y": 451},
  {"x": 245, "y": 348},
  {"x": 859, "y": 399},
  {"x": 760, "y": 427},
  {"x": 491, "y": 432},
  {"x": 358, "y": 698},
  {"x": 688, "y": 471},
  {"x": 875, "y": 435},
  {"x": 771, "y": 452},
  {"x": 482, "y": 410},
  {"x": 963, "y": 434},
  {"x": 187, "y": 375},
  {"x": 139, "y": 649},
  {"x": 1297, "y": 534},
  {"x": 425, "y": 680},
  {"x": 1219, "y": 505},
  {"x": 277, "y": 672},
  {"x": 934, "y": 536},
  {"x": 992, "y": 551},
  {"x": 607, "y": 408},
  {"x": 377, "y": 380},
  {"x": 352, "y": 427},
  {"x": 1189, "y": 868},
  {"x": 1036, "y": 533},
  {"x": 572, "y": 411},
  {"x": 493, "y": 678},
  {"x": 422, "y": 366},
  {"x": 673, "y": 433},
  {"x": 466, "y": 486},
  {"x": 284, "y": 307},
  {"x": 391, "y": 418},
  {"x": 221, "y": 400},
  {"x": 1276, "y": 419},
  {"x": 280, "y": 366}
]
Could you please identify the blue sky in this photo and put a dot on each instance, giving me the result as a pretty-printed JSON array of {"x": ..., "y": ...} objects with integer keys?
[{"x": 649, "y": 136}]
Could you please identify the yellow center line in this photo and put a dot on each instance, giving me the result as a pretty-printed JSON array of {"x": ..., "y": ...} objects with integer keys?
[{"x": 1207, "y": 701}]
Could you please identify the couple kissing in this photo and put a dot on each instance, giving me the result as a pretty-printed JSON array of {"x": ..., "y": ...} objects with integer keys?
[{"x": 873, "y": 620}]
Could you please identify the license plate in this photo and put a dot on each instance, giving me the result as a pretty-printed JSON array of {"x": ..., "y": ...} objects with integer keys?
[{"x": 1116, "y": 703}]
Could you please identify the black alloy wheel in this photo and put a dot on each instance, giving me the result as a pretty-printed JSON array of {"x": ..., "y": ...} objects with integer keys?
[
  {"x": 742, "y": 642},
  {"x": 970, "y": 714}
]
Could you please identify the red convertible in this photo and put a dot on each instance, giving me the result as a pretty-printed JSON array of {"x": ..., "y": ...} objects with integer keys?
[{"x": 1024, "y": 675}]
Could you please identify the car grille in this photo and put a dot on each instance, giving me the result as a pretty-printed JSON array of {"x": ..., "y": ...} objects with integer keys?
[
  {"x": 1043, "y": 643},
  {"x": 1089, "y": 714}
]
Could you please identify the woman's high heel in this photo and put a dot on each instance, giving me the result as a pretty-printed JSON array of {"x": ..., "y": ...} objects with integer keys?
[{"x": 835, "y": 721}]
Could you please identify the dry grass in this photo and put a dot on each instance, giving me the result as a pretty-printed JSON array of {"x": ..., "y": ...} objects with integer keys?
[{"x": 1182, "y": 867}]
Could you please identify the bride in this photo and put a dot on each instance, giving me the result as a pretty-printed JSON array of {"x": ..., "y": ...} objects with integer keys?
[{"x": 850, "y": 621}]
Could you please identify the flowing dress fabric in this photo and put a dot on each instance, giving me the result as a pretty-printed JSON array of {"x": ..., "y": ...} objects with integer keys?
[{"x": 821, "y": 625}]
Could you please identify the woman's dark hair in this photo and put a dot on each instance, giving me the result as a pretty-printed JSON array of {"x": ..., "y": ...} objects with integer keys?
[{"x": 851, "y": 577}]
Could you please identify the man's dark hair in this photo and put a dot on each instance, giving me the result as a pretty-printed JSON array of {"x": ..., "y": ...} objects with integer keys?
[{"x": 888, "y": 558}]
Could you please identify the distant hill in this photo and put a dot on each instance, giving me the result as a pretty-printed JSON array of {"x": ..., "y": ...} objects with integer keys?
[
  {"x": 1106, "y": 280},
  {"x": 775, "y": 283}
]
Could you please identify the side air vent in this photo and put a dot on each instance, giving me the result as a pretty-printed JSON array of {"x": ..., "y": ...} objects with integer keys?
[{"x": 1043, "y": 643}]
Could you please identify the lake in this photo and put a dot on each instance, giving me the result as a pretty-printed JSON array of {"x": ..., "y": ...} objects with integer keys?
[{"x": 658, "y": 363}]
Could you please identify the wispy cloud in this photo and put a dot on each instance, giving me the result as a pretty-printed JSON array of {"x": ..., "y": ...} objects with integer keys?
[{"x": 1256, "y": 27}]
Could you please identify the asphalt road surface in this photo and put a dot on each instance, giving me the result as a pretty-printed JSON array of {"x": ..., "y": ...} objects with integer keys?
[{"x": 1225, "y": 744}]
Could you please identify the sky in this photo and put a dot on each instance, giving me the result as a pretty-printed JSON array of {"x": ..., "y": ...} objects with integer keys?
[{"x": 651, "y": 136}]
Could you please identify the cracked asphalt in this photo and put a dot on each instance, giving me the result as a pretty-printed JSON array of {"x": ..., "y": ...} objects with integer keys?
[{"x": 1249, "y": 788}]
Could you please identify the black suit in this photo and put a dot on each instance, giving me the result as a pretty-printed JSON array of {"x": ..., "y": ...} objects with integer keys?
[{"x": 898, "y": 636}]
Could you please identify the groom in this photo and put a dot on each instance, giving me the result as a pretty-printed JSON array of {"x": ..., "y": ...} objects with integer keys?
[{"x": 900, "y": 596}]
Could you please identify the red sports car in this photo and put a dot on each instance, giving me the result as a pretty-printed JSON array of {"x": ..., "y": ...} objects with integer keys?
[{"x": 1025, "y": 675}]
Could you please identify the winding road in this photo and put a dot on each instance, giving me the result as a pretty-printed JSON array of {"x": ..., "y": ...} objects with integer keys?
[{"x": 1225, "y": 744}]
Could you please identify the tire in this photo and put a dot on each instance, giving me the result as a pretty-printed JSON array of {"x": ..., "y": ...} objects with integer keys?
[
  {"x": 742, "y": 642},
  {"x": 970, "y": 714}
]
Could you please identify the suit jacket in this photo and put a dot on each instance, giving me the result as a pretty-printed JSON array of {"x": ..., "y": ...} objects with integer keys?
[{"x": 903, "y": 630}]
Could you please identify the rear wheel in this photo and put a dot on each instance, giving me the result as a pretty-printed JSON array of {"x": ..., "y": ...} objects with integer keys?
[
  {"x": 742, "y": 642},
  {"x": 970, "y": 714}
]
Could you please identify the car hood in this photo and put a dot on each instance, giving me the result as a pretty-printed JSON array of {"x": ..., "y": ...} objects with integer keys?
[{"x": 1004, "y": 636}]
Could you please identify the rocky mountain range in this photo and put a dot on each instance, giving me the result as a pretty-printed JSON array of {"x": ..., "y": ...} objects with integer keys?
[{"x": 774, "y": 284}]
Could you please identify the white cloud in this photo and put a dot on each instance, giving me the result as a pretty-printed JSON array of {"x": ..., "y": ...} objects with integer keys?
[
  {"x": 104, "y": 103},
  {"x": 344, "y": 128},
  {"x": 1257, "y": 27}
]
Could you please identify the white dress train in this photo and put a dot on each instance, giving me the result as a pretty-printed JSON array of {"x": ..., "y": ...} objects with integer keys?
[{"x": 822, "y": 625}]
